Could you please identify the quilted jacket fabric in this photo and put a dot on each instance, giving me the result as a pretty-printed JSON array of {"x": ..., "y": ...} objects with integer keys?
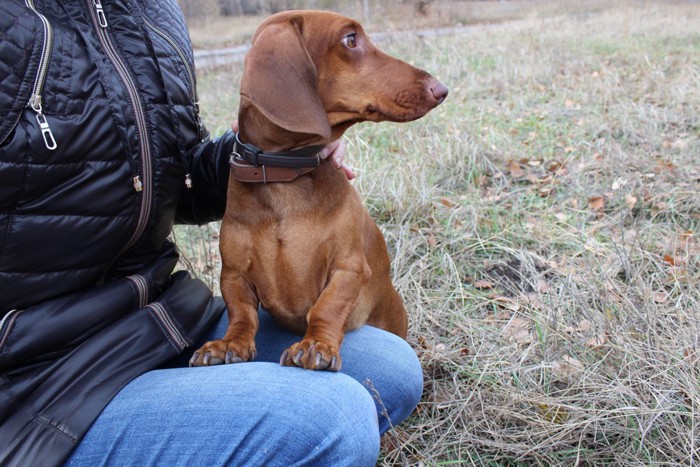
[{"x": 99, "y": 140}]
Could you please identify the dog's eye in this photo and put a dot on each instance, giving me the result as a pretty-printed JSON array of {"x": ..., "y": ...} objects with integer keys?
[{"x": 350, "y": 41}]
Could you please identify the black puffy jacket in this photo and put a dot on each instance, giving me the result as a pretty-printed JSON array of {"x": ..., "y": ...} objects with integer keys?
[{"x": 99, "y": 137}]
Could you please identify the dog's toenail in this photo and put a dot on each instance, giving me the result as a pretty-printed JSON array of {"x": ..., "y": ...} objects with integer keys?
[
  {"x": 297, "y": 358},
  {"x": 193, "y": 360}
]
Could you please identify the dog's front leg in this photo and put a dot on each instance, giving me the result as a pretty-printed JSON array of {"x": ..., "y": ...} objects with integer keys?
[
  {"x": 238, "y": 344},
  {"x": 320, "y": 347}
]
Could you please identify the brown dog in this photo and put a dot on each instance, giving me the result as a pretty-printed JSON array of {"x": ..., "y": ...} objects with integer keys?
[{"x": 295, "y": 237}]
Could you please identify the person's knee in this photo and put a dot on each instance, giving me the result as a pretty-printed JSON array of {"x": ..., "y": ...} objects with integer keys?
[
  {"x": 345, "y": 426},
  {"x": 396, "y": 383}
]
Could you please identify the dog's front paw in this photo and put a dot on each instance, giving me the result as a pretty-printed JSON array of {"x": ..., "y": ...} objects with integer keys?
[
  {"x": 223, "y": 351},
  {"x": 312, "y": 355}
]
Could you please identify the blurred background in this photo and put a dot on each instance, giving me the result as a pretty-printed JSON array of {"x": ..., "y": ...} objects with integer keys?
[{"x": 223, "y": 23}]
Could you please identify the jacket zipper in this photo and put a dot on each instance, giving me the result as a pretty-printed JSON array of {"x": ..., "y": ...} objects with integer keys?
[
  {"x": 190, "y": 74},
  {"x": 140, "y": 185},
  {"x": 35, "y": 99},
  {"x": 161, "y": 314},
  {"x": 6, "y": 325}
]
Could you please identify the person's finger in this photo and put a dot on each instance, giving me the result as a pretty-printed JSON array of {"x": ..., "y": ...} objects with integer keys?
[
  {"x": 334, "y": 149},
  {"x": 348, "y": 171}
]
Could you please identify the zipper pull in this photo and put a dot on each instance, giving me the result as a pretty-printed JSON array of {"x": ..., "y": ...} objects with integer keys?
[
  {"x": 188, "y": 181},
  {"x": 46, "y": 132},
  {"x": 101, "y": 18},
  {"x": 138, "y": 186}
]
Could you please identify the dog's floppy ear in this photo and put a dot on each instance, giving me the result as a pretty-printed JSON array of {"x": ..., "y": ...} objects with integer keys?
[{"x": 280, "y": 80}]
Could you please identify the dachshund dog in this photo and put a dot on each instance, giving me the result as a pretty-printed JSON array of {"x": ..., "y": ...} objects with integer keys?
[{"x": 295, "y": 237}]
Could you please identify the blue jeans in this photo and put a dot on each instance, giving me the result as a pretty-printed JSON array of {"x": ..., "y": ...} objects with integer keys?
[{"x": 260, "y": 413}]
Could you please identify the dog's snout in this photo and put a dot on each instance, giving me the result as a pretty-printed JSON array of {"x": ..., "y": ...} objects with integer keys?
[{"x": 438, "y": 90}]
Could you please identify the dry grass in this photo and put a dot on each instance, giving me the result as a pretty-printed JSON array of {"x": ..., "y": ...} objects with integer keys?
[
  {"x": 543, "y": 225},
  {"x": 208, "y": 29}
]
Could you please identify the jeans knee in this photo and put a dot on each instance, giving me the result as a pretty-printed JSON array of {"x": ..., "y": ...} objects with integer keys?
[
  {"x": 396, "y": 383},
  {"x": 346, "y": 430}
]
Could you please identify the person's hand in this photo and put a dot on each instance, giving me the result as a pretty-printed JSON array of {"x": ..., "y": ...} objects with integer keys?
[{"x": 335, "y": 150}]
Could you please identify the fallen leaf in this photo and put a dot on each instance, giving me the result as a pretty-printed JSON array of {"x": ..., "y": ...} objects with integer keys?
[
  {"x": 584, "y": 325},
  {"x": 596, "y": 203},
  {"x": 572, "y": 362},
  {"x": 533, "y": 300},
  {"x": 545, "y": 192},
  {"x": 630, "y": 201},
  {"x": 484, "y": 284},
  {"x": 554, "y": 166},
  {"x": 660, "y": 297},
  {"x": 515, "y": 170},
  {"x": 554, "y": 413},
  {"x": 609, "y": 314},
  {"x": 595, "y": 342},
  {"x": 518, "y": 330},
  {"x": 564, "y": 270},
  {"x": 500, "y": 316},
  {"x": 506, "y": 302}
]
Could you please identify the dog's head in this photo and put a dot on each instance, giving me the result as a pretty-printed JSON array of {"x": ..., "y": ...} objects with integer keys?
[{"x": 317, "y": 73}]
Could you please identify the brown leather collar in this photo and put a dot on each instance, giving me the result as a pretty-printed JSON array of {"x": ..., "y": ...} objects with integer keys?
[{"x": 250, "y": 164}]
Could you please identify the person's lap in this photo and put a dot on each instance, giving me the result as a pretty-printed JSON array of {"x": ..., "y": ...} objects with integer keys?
[{"x": 260, "y": 413}]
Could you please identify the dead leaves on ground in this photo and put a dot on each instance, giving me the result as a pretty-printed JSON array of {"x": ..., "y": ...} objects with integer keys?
[
  {"x": 678, "y": 254},
  {"x": 518, "y": 330},
  {"x": 540, "y": 174}
]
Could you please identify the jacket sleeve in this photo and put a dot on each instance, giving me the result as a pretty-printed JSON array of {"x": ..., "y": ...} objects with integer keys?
[{"x": 209, "y": 169}]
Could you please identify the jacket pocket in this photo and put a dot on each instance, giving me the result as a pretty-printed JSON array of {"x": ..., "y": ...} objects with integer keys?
[
  {"x": 55, "y": 326},
  {"x": 43, "y": 331}
]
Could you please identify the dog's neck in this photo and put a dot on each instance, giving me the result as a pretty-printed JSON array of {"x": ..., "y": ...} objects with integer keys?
[
  {"x": 264, "y": 152},
  {"x": 255, "y": 128}
]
